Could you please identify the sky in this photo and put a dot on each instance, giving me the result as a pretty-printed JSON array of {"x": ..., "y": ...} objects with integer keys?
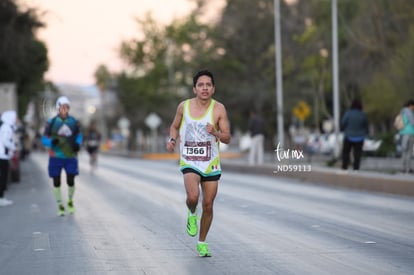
[{"x": 82, "y": 34}]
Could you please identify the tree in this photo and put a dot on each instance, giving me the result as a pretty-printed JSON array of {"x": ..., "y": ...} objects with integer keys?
[
  {"x": 23, "y": 58},
  {"x": 375, "y": 35},
  {"x": 102, "y": 77},
  {"x": 146, "y": 85},
  {"x": 161, "y": 66},
  {"x": 246, "y": 67},
  {"x": 375, "y": 57}
]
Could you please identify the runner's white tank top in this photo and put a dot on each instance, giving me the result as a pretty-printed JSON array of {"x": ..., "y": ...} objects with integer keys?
[{"x": 199, "y": 150}]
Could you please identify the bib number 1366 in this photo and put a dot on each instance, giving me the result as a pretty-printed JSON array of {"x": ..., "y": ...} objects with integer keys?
[{"x": 197, "y": 151}]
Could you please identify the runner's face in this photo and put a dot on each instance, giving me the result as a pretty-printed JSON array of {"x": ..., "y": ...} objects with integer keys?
[
  {"x": 204, "y": 88},
  {"x": 64, "y": 110}
]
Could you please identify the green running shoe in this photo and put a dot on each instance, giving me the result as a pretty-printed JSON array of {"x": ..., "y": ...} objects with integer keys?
[
  {"x": 61, "y": 210},
  {"x": 192, "y": 224},
  {"x": 202, "y": 249},
  {"x": 71, "y": 208}
]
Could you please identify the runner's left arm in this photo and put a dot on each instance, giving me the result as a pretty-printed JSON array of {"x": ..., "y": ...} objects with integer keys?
[{"x": 223, "y": 124}]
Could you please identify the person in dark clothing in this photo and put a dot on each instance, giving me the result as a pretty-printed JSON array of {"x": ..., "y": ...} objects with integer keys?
[
  {"x": 93, "y": 141},
  {"x": 354, "y": 123}
]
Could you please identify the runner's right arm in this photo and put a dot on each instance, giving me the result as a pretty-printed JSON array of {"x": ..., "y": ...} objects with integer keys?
[{"x": 175, "y": 127}]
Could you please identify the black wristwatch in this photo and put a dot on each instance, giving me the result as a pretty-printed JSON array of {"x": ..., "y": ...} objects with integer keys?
[{"x": 172, "y": 139}]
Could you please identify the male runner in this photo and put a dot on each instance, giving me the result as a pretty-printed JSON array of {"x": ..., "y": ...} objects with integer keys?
[
  {"x": 199, "y": 125},
  {"x": 63, "y": 136}
]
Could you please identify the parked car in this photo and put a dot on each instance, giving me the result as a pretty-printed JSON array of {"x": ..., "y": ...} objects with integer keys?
[
  {"x": 325, "y": 144},
  {"x": 371, "y": 145},
  {"x": 15, "y": 167},
  {"x": 14, "y": 172}
]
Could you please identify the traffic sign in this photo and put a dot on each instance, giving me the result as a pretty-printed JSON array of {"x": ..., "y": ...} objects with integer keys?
[
  {"x": 301, "y": 110},
  {"x": 153, "y": 121}
]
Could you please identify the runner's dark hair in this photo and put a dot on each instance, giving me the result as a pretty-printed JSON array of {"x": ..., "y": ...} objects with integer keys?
[{"x": 201, "y": 73}]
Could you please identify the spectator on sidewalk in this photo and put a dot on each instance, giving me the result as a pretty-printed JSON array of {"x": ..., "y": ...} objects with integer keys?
[
  {"x": 256, "y": 129},
  {"x": 407, "y": 135},
  {"x": 354, "y": 123},
  {"x": 7, "y": 148}
]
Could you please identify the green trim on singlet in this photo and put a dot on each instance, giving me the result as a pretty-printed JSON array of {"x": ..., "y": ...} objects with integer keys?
[
  {"x": 184, "y": 166},
  {"x": 210, "y": 107},
  {"x": 186, "y": 108}
]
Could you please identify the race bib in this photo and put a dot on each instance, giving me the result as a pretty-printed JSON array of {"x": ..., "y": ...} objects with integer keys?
[{"x": 200, "y": 151}]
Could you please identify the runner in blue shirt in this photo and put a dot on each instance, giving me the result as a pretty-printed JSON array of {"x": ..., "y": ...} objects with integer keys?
[{"x": 63, "y": 136}]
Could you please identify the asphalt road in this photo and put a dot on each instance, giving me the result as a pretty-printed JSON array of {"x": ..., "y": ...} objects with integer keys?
[{"x": 130, "y": 219}]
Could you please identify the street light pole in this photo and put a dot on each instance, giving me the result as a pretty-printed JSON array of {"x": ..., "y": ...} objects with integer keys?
[
  {"x": 279, "y": 86},
  {"x": 335, "y": 74}
]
